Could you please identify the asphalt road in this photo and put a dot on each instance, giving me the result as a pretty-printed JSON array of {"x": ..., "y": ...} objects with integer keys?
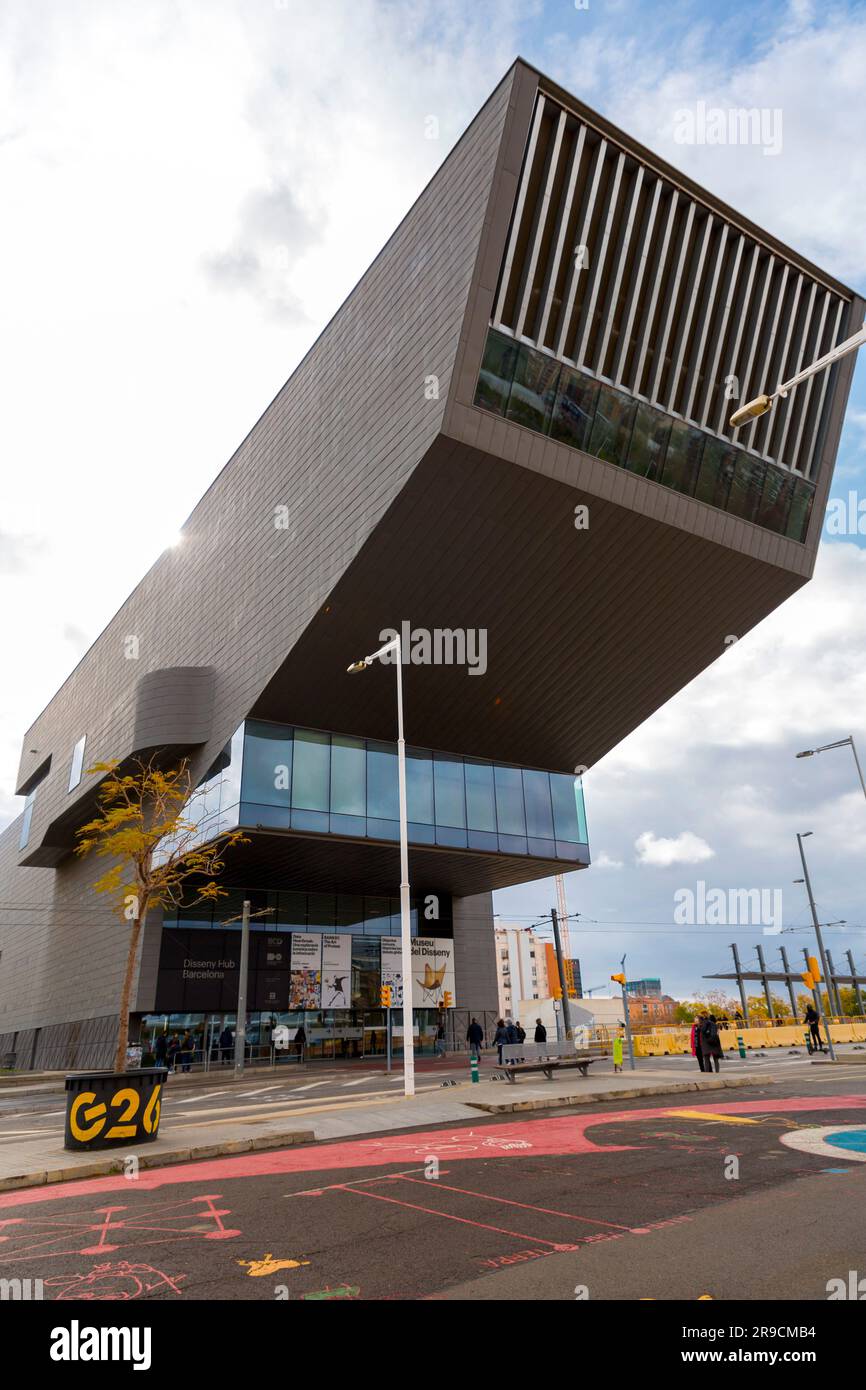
[
  {"x": 26, "y": 1112},
  {"x": 635, "y": 1200}
]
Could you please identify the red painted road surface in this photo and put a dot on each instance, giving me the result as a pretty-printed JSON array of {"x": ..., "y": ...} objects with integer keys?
[{"x": 563, "y": 1135}]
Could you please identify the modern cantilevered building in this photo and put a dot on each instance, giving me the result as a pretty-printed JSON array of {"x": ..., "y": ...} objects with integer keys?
[{"x": 554, "y": 326}]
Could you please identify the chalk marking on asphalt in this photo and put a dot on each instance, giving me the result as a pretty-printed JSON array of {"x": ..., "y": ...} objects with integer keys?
[
  {"x": 713, "y": 1118},
  {"x": 528, "y": 1206},
  {"x": 353, "y": 1182},
  {"x": 463, "y": 1220}
]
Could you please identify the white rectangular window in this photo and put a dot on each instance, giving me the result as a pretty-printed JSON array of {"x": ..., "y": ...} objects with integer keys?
[{"x": 77, "y": 763}]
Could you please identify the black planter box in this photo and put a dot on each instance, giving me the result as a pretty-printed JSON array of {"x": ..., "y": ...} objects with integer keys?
[{"x": 105, "y": 1109}]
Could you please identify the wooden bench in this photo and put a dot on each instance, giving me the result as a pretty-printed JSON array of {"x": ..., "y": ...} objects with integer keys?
[{"x": 521, "y": 1059}]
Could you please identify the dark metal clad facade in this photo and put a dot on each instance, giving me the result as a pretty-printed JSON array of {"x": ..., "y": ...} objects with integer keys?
[{"x": 610, "y": 267}]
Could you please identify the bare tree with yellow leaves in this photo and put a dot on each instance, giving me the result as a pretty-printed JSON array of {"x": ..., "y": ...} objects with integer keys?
[{"x": 149, "y": 824}]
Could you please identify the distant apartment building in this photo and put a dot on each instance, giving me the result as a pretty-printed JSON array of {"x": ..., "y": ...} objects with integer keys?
[
  {"x": 645, "y": 989},
  {"x": 521, "y": 967}
]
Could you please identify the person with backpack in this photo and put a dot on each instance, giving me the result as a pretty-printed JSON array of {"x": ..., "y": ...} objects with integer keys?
[
  {"x": 711, "y": 1044},
  {"x": 500, "y": 1037}
]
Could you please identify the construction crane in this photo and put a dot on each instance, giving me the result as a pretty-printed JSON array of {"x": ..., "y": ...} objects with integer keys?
[{"x": 565, "y": 927}]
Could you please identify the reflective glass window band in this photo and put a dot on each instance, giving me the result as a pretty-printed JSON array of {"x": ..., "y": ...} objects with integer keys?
[
  {"x": 453, "y": 801},
  {"x": 575, "y": 409}
]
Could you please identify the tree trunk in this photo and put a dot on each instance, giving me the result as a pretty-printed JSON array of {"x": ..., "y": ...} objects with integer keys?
[{"x": 123, "y": 1019}]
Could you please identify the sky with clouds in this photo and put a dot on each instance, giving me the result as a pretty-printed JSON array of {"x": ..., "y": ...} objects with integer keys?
[{"x": 191, "y": 188}]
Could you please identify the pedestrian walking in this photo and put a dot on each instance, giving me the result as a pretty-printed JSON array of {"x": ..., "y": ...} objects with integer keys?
[
  {"x": 695, "y": 1041},
  {"x": 172, "y": 1051},
  {"x": 540, "y": 1031},
  {"x": 475, "y": 1037},
  {"x": 187, "y": 1049},
  {"x": 160, "y": 1048},
  {"x": 617, "y": 1052},
  {"x": 227, "y": 1045},
  {"x": 816, "y": 1041},
  {"x": 500, "y": 1037},
  {"x": 711, "y": 1043},
  {"x": 439, "y": 1041}
]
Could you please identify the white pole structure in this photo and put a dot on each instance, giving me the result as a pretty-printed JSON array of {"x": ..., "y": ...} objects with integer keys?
[
  {"x": 405, "y": 933},
  {"x": 241, "y": 1024},
  {"x": 761, "y": 404},
  {"x": 840, "y": 743},
  {"x": 821, "y": 953}
]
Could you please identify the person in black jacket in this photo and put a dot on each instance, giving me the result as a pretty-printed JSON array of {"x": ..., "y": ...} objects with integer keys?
[
  {"x": 475, "y": 1037},
  {"x": 540, "y": 1031},
  {"x": 814, "y": 1028},
  {"x": 160, "y": 1047},
  {"x": 711, "y": 1044},
  {"x": 501, "y": 1036}
]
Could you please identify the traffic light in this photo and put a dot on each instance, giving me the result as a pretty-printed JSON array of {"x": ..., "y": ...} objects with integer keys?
[
  {"x": 447, "y": 999},
  {"x": 814, "y": 970},
  {"x": 385, "y": 996},
  {"x": 620, "y": 979},
  {"x": 808, "y": 980}
]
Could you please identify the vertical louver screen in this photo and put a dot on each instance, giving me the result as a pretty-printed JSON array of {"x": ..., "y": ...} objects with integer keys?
[{"x": 612, "y": 269}]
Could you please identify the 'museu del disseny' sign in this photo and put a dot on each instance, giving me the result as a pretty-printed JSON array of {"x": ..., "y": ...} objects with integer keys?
[{"x": 432, "y": 970}]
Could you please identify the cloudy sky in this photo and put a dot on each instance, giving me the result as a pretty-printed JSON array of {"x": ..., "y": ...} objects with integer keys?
[{"x": 187, "y": 200}]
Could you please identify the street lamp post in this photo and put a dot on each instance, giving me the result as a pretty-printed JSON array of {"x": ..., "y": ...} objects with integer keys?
[
  {"x": 761, "y": 404},
  {"x": 824, "y": 971},
  {"x": 840, "y": 743},
  {"x": 405, "y": 935}
]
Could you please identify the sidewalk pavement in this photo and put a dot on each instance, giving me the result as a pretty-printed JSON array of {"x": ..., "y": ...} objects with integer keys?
[{"x": 41, "y": 1158}]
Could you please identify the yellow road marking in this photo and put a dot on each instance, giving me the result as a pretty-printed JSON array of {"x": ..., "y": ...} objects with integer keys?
[{"x": 708, "y": 1115}]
